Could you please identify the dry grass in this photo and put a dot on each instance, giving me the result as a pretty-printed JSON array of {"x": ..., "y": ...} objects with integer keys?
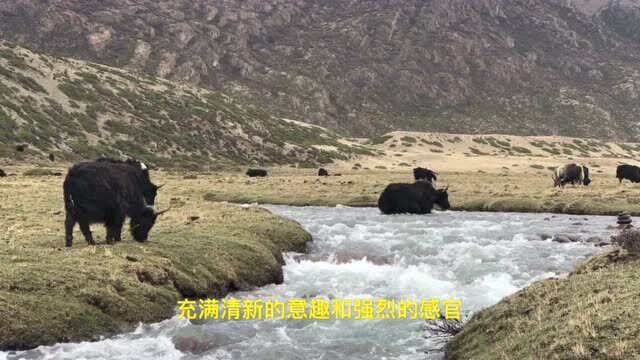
[
  {"x": 592, "y": 314},
  {"x": 472, "y": 191},
  {"x": 49, "y": 293}
]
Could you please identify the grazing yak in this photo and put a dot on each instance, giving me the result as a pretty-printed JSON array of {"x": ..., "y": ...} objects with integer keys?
[
  {"x": 107, "y": 192},
  {"x": 426, "y": 174},
  {"x": 417, "y": 198},
  {"x": 323, "y": 172},
  {"x": 149, "y": 190},
  {"x": 256, "y": 173},
  {"x": 629, "y": 172},
  {"x": 571, "y": 173},
  {"x": 21, "y": 147}
]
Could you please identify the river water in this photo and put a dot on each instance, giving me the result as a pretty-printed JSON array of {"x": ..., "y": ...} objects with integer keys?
[{"x": 358, "y": 253}]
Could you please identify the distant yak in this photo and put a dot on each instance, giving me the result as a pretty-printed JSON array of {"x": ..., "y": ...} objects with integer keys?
[
  {"x": 21, "y": 147},
  {"x": 425, "y": 173},
  {"x": 52, "y": 157},
  {"x": 107, "y": 192},
  {"x": 256, "y": 173},
  {"x": 629, "y": 172},
  {"x": 417, "y": 198},
  {"x": 323, "y": 172},
  {"x": 571, "y": 173},
  {"x": 2, "y": 173}
]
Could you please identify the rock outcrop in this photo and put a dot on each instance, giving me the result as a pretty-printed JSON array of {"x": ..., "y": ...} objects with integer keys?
[{"x": 516, "y": 66}]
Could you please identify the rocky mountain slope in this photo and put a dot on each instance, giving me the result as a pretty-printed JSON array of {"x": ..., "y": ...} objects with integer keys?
[
  {"x": 76, "y": 109},
  {"x": 535, "y": 67}
]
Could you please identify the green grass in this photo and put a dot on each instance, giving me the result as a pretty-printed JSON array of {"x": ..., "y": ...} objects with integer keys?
[
  {"x": 50, "y": 293},
  {"x": 592, "y": 314}
]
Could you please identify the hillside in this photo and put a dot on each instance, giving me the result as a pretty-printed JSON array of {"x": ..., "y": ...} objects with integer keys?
[
  {"x": 76, "y": 110},
  {"x": 524, "y": 67}
]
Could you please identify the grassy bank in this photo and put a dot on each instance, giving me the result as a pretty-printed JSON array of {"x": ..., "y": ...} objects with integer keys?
[
  {"x": 471, "y": 191},
  {"x": 592, "y": 314},
  {"x": 49, "y": 293}
]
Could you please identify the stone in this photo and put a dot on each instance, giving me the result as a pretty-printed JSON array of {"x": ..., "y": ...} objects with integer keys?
[{"x": 561, "y": 239}]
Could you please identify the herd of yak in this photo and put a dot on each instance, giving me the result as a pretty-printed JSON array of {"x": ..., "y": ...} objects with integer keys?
[{"x": 107, "y": 191}]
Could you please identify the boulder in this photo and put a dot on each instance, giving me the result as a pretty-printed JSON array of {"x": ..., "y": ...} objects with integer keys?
[
  {"x": 198, "y": 339},
  {"x": 594, "y": 240},
  {"x": 572, "y": 238},
  {"x": 561, "y": 239}
]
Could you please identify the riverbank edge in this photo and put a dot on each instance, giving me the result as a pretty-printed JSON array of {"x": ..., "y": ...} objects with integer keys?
[
  {"x": 147, "y": 281},
  {"x": 586, "y": 315},
  {"x": 508, "y": 205}
]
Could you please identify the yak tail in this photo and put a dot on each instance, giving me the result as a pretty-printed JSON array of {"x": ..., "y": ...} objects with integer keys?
[{"x": 69, "y": 204}]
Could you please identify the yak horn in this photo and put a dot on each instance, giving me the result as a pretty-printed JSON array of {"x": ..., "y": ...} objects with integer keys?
[
  {"x": 163, "y": 211},
  {"x": 159, "y": 186},
  {"x": 447, "y": 188}
]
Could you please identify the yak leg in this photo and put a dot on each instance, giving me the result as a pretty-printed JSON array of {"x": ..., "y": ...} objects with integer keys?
[
  {"x": 114, "y": 228},
  {"x": 86, "y": 231},
  {"x": 69, "y": 223}
]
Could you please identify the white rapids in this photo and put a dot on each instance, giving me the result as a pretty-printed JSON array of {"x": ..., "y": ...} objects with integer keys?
[{"x": 358, "y": 253}]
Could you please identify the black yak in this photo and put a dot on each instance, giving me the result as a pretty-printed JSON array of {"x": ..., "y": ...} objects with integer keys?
[
  {"x": 21, "y": 147},
  {"x": 629, "y": 172},
  {"x": 571, "y": 173},
  {"x": 149, "y": 189},
  {"x": 104, "y": 192},
  {"x": 426, "y": 174},
  {"x": 256, "y": 173},
  {"x": 2, "y": 173},
  {"x": 323, "y": 172},
  {"x": 52, "y": 157},
  {"x": 417, "y": 198}
]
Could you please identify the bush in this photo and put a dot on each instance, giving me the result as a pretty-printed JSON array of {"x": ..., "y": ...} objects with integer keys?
[
  {"x": 41, "y": 172},
  {"x": 521, "y": 149},
  {"x": 628, "y": 239}
]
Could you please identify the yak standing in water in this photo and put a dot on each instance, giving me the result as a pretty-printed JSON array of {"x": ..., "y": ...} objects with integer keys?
[
  {"x": 417, "y": 198},
  {"x": 107, "y": 192},
  {"x": 571, "y": 173}
]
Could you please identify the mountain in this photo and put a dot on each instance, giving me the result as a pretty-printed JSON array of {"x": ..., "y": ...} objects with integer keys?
[
  {"x": 76, "y": 110},
  {"x": 362, "y": 67}
]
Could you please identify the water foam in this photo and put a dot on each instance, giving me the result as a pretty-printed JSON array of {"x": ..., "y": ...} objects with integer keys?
[{"x": 477, "y": 257}]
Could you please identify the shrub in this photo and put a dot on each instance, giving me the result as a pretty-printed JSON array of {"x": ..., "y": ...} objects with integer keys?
[
  {"x": 521, "y": 149},
  {"x": 628, "y": 239},
  {"x": 41, "y": 172}
]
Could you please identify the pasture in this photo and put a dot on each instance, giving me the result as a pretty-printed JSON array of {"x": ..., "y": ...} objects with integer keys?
[
  {"x": 202, "y": 246},
  {"x": 50, "y": 293},
  {"x": 470, "y": 191}
]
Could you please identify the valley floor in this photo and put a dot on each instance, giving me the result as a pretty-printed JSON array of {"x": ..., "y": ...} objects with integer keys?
[
  {"x": 470, "y": 191},
  {"x": 82, "y": 292}
]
